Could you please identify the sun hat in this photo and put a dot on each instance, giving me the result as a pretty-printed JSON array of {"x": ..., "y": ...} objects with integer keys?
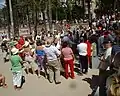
[
  {"x": 26, "y": 44},
  {"x": 5, "y": 39},
  {"x": 14, "y": 51}
]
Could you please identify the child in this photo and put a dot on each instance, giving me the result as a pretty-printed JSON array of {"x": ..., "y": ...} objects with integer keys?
[{"x": 16, "y": 68}]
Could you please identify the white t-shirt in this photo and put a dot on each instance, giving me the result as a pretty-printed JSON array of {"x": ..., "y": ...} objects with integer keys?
[
  {"x": 108, "y": 52},
  {"x": 52, "y": 52},
  {"x": 82, "y": 48}
]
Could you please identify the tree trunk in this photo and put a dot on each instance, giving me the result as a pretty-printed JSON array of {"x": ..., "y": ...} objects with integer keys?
[
  {"x": 50, "y": 16},
  {"x": 115, "y": 3},
  {"x": 15, "y": 19},
  {"x": 56, "y": 15},
  {"x": 29, "y": 20},
  {"x": 89, "y": 14},
  {"x": 83, "y": 4},
  {"x": 93, "y": 9},
  {"x": 35, "y": 22}
]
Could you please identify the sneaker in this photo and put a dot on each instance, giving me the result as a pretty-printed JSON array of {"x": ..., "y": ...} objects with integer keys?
[
  {"x": 50, "y": 81},
  {"x": 58, "y": 82},
  {"x": 72, "y": 77}
]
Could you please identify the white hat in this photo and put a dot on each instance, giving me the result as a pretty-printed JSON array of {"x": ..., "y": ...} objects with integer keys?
[
  {"x": 26, "y": 43},
  {"x": 32, "y": 50},
  {"x": 4, "y": 39},
  {"x": 14, "y": 51}
]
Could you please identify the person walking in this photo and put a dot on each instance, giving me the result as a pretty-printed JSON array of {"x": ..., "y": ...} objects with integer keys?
[
  {"x": 89, "y": 50},
  {"x": 68, "y": 58},
  {"x": 52, "y": 54},
  {"x": 82, "y": 49},
  {"x": 104, "y": 67},
  {"x": 29, "y": 57},
  {"x": 16, "y": 68}
]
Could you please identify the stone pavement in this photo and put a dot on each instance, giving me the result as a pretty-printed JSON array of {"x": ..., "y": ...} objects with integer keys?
[{"x": 35, "y": 86}]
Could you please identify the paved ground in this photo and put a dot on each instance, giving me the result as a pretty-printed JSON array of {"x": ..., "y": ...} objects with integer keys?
[{"x": 41, "y": 87}]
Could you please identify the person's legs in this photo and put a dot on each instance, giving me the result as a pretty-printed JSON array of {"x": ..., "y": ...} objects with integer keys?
[
  {"x": 39, "y": 70},
  {"x": 14, "y": 79},
  {"x": 57, "y": 72},
  {"x": 33, "y": 65},
  {"x": 2, "y": 81},
  {"x": 90, "y": 61},
  {"x": 86, "y": 64},
  {"x": 26, "y": 64},
  {"x": 39, "y": 66},
  {"x": 51, "y": 73},
  {"x": 71, "y": 68},
  {"x": 82, "y": 62},
  {"x": 102, "y": 83},
  {"x": 66, "y": 69},
  {"x": 19, "y": 78}
]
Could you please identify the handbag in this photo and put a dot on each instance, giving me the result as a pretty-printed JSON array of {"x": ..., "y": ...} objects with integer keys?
[{"x": 103, "y": 65}]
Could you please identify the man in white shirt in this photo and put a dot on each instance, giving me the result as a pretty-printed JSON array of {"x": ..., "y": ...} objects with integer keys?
[
  {"x": 106, "y": 59},
  {"x": 53, "y": 64},
  {"x": 104, "y": 66},
  {"x": 82, "y": 49}
]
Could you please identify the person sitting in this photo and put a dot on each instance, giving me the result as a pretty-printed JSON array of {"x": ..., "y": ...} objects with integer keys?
[{"x": 2, "y": 81}]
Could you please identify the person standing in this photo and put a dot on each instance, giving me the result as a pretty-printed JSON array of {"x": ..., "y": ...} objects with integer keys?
[
  {"x": 82, "y": 49},
  {"x": 104, "y": 67},
  {"x": 89, "y": 53},
  {"x": 52, "y": 54},
  {"x": 29, "y": 57},
  {"x": 40, "y": 56},
  {"x": 68, "y": 57},
  {"x": 16, "y": 68}
]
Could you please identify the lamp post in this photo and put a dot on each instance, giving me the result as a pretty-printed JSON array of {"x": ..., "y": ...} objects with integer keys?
[{"x": 11, "y": 17}]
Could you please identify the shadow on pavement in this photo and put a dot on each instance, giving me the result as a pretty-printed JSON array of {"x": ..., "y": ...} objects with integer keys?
[{"x": 93, "y": 83}]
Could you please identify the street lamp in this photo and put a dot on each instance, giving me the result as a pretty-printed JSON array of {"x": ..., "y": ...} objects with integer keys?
[{"x": 11, "y": 16}]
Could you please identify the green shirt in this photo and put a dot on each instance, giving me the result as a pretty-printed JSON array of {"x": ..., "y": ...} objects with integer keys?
[{"x": 16, "y": 63}]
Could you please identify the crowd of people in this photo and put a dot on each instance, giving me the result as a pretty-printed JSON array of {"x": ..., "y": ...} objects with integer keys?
[{"x": 54, "y": 52}]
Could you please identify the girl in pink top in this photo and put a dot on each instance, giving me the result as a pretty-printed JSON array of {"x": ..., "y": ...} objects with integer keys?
[{"x": 68, "y": 57}]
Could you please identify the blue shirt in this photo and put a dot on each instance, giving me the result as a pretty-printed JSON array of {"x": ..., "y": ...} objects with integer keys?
[{"x": 40, "y": 52}]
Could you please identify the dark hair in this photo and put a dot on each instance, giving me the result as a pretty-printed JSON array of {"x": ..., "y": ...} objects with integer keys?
[
  {"x": 26, "y": 38},
  {"x": 39, "y": 43},
  {"x": 82, "y": 40},
  {"x": 65, "y": 44}
]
